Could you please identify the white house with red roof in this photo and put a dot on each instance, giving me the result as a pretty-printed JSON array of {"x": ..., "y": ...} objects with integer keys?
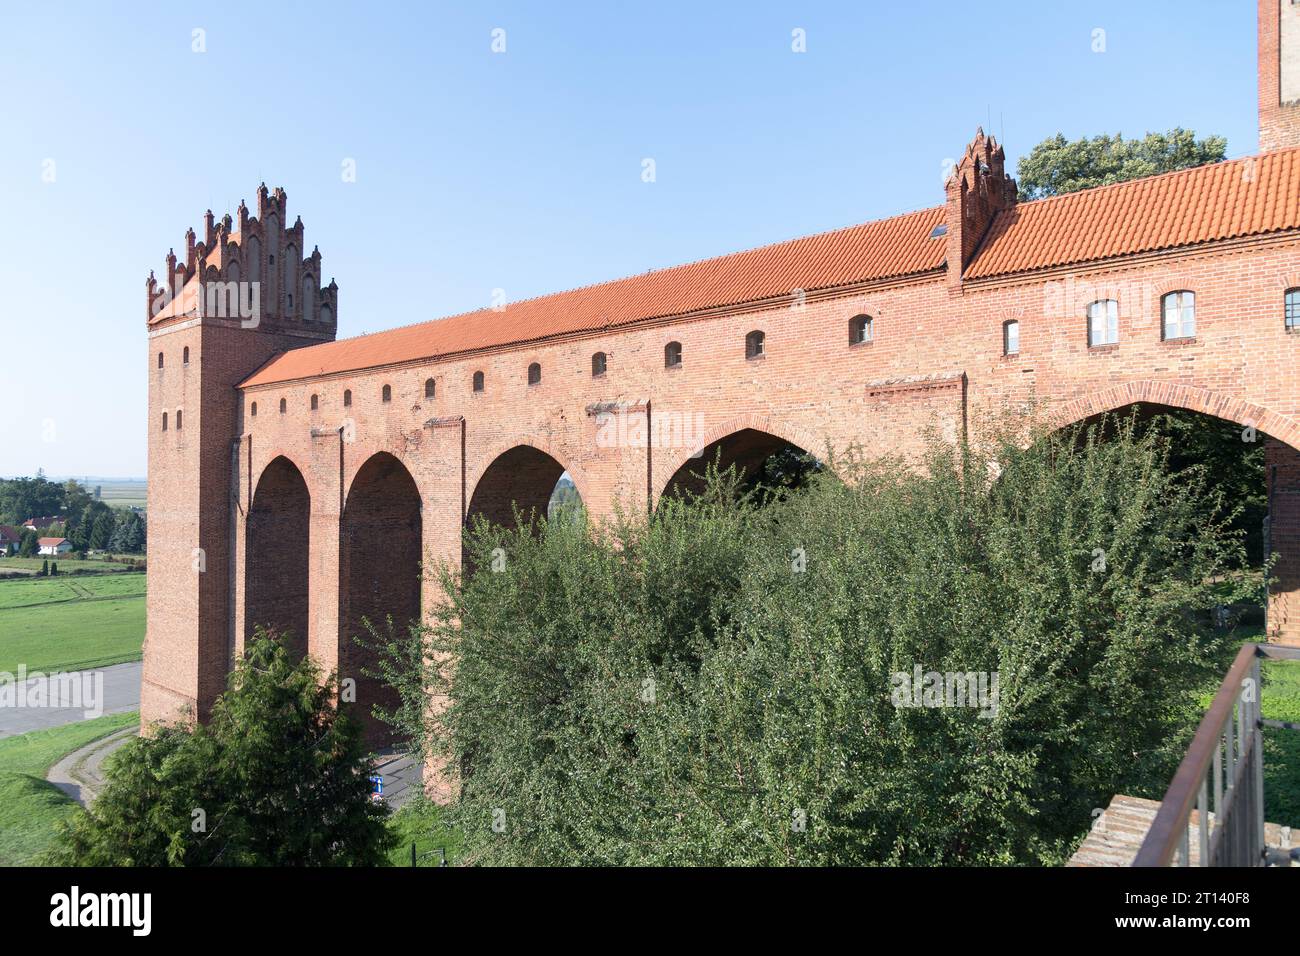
[{"x": 54, "y": 546}]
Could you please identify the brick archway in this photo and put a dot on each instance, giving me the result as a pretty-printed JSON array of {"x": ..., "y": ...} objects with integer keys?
[
  {"x": 380, "y": 574},
  {"x": 1188, "y": 397},
  {"x": 755, "y": 438},
  {"x": 1281, "y": 436},
  {"x": 276, "y": 570},
  {"x": 519, "y": 473}
]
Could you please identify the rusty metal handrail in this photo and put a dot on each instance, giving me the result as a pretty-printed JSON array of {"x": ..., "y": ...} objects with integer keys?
[{"x": 1215, "y": 742}]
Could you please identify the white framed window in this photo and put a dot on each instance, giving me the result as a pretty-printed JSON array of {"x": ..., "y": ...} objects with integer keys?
[
  {"x": 1179, "y": 310},
  {"x": 1011, "y": 337},
  {"x": 1103, "y": 323}
]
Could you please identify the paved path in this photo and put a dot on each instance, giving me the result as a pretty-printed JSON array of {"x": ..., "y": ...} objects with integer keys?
[
  {"x": 121, "y": 693},
  {"x": 81, "y": 773}
]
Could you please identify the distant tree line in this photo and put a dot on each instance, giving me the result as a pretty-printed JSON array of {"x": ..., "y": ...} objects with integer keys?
[{"x": 88, "y": 523}]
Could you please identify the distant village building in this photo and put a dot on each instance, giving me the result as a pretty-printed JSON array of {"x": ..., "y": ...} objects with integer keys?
[
  {"x": 54, "y": 546},
  {"x": 40, "y": 524},
  {"x": 10, "y": 538}
]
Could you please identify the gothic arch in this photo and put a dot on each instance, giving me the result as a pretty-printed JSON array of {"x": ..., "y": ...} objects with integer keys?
[
  {"x": 277, "y": 550},
  {"x": 519, "y": 472},
  {"x": 1189, "y": 397},
  {"x": 380, "y": 574},
  {"x": 700, "y": 453}
]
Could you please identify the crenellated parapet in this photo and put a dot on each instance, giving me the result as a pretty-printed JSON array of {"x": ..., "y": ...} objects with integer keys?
[{"x": 250, "y": 268}]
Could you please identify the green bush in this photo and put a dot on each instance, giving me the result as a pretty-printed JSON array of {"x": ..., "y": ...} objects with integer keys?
[
  {"x": 716, "y": 685},
  {"x": 277, "y": 777}
]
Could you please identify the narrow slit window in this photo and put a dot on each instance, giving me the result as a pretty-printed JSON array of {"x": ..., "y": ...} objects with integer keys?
[
  {"x": 861, "y": 330},
  {"x": 1011, "y": 337}
]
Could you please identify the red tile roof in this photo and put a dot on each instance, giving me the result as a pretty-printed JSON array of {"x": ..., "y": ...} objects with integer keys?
[
  {"x": 50, "y": 542},
  {"x": 1243, "y": 197},
  {"x": 888, "y": 248}
]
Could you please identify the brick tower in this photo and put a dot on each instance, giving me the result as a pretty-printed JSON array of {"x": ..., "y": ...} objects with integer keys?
[
  {"x": 1279, "y": 74},
  {"x": 242, "y": 294}
]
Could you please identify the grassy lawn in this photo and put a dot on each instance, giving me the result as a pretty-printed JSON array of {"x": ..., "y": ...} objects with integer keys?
[
  {"x": 1281, "y": 701},
  {"x": 29, "y": 806},
  {"x": 421, "y": 823},
  {"x": 72, "y": 623},
  {"x": 66, "y": 564}
]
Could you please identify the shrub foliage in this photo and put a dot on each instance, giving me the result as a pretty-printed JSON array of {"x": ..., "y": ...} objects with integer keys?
[
  {"x": 277, "y": 777},
  {"x": 713, "y": 686}
]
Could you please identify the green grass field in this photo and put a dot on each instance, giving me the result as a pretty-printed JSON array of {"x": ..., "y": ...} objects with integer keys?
[
  {"x": 121, "y": 494},
  {"x": 30, "y": 807},
  {"x": 66, "y": 565},
  {"x": 71, "y": 623},
  {"x": 421, "y": 823},
  {"x": 1281, "y": 701}
]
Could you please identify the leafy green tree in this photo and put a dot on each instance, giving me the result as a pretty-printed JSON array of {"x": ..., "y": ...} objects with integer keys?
[
  {"x": 28, "y": 545},
  {"x": 718, "y": 685},
  {"x": 23, "y": 498},
  {"x": 45, "y": 568},
  {"x": 277, "y": 777},
  {"x": 54, "y": 569},
  {"x": 1057, "y": 165}
]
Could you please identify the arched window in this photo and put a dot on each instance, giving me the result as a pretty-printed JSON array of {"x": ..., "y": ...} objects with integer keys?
[
  {"x": 179, "y": 419},
  {"x": 164, "y": 421},
  {"x": 1179, "y": 311},
  {"x": 284, "y": 406},
  {"x": 598, "y": 364},
  {"x": 1011, "y": 337},
  {"x": 347, "y": 398},
  {"x": 534, "y": 374},
  {"x": 1103, "y": 323},
  {"x": 430, "y": 388},
  {"x": 754, "y": 344},
  {"x": 673, "y": 355},
  {"x": 315, "y": 402},
  {"x": 478, "y": 381},
  {"x": 185, "y": 356},
  {"x": 1292, "y": 309},
  {"x": 252, "y": 410},
  {"x": 387, "y": 394},
  {"x": 861, "y": 329},
  {"x": 160, "y": 360}
]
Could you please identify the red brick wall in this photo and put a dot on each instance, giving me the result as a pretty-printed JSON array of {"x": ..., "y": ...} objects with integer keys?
[{"x": 1279, "y": 124}]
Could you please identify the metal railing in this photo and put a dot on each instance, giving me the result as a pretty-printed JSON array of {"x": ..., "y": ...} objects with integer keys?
[{"x": 1226, "y": 762}]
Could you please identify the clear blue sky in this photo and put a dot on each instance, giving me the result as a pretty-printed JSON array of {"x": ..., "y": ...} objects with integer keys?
[{"x": 519, "y": 171}]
